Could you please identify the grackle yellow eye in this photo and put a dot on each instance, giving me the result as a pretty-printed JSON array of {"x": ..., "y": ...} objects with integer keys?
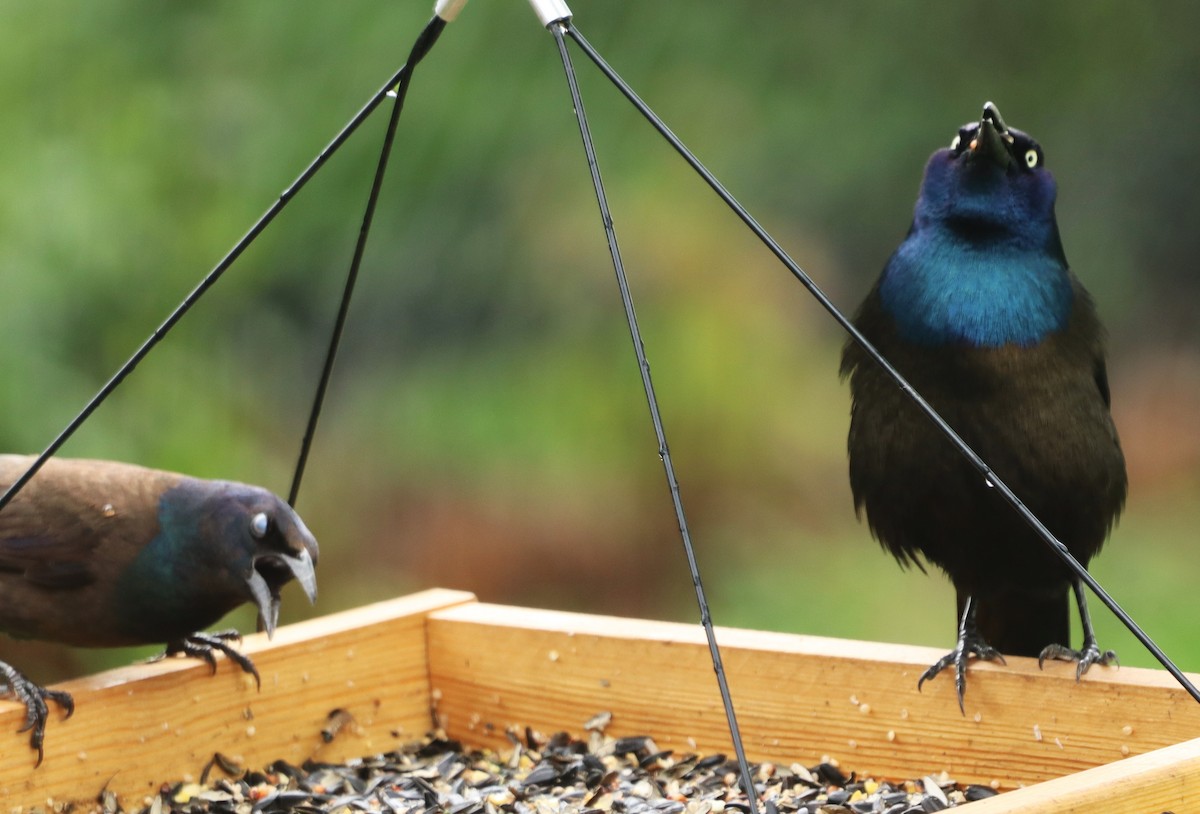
[
  {"x": 1031, "y": 158},
  {"x": 954, "y": 144}
]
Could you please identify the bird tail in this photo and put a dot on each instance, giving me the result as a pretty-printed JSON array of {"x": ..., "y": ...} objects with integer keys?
[{"x": 1021, "y": 624}]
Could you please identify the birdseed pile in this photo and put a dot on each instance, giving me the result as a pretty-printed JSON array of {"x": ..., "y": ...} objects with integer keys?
[{"x": 539, "y": 775}]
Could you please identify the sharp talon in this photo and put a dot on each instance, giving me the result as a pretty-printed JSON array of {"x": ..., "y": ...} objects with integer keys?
[
  {"x": 208, "y": 657},
  {"x": 246, "y": 664},
  {"x": 36, "y": 711},
  {"x": 1056, "y": 652},
  {"x": 1084, "y": 658},
  {"x": 969, "y": 643},
  {"x": 935, "y": 668},
  {"x": 202, "y": 645},
  {"x": 67, "y": 703}
]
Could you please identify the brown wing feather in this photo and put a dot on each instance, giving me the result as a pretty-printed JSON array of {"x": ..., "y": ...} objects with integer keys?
[{"x": 54, "y": 530}]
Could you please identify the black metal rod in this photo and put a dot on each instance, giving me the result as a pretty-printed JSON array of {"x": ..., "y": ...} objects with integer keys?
[
  {"x": 209, "y": 279},
  {"x": 664, "y": 452},
  {"x": 975, "y": 460},
  {"x": 424, "y": 42}
]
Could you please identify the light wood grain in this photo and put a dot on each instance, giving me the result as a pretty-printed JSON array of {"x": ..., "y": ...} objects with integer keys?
[
  {"x": 138, "y": 727},
  {"x": 798, "y": 698},
  {"x": 1167, "y": 779}
]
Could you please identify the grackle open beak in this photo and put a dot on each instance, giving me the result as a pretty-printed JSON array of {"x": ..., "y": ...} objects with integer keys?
[{"x": 271, "y": 572}]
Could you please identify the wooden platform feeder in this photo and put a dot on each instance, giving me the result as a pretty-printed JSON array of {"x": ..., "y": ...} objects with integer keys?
[{"x": 1122, "y": 740}]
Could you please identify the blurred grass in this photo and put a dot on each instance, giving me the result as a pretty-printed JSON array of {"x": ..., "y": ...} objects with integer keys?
[{"x": 486, "y": 428}]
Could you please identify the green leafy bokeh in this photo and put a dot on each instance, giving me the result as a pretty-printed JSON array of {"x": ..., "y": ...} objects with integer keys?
[{"x": 485, "y": 427}]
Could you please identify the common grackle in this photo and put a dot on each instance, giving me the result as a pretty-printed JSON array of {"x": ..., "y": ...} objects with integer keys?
[
  {"x": 978, "y": 310},
  {"x": 104, "y": 554}
]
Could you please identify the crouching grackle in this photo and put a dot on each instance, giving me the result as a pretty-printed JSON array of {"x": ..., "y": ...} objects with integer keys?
[
  {"x": 104, "y": 554},
  {"x": 978, "y": 310}
]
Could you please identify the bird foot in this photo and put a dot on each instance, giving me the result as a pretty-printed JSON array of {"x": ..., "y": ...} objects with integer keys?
[
  {"x": 36, "y": 711},
  {"x": 969, "y": 645},
  {"x": 1084, "y": 658},
  {"x": 202, "y": 645}
]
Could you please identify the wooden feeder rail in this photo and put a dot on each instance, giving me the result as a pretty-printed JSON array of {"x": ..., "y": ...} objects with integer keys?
[{"x": 1122, "y": 740}]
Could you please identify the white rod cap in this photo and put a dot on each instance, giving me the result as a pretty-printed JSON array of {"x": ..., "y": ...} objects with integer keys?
[
  {"x": 550, "y": 11},
  {"x": 448, "y": 9}
]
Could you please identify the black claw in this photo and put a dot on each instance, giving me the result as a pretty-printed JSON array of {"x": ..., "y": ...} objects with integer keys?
[
  {"x": 1087, "y": 655},
  {"x": 243, "y": 661},
  {"x": 935, "y": 668},
  {"x": 204, "y": 653},
  {"x": 1056, "y": 652},
  {"x": 202, "y": 645},
  {"x": 1084, "y": 658},
  {"x": 36, "y": 711},
  {"x": 1090, "y": 653},
  {"x": 67, "y": 703},
  {"x": 970, "y": 643}
]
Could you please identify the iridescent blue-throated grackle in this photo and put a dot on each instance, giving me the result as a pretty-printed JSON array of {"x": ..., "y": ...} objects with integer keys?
[
  {"x": 103, "y": 554},
  {"x": 979, "y": 311}
]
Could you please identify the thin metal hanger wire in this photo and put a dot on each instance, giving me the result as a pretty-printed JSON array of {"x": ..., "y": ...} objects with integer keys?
[
  {"x": 972, "y": 457},
  {"x": 427, "y": 36},
  {"x": 424, "y": 42},
  {"x": 664, "y": 452}
]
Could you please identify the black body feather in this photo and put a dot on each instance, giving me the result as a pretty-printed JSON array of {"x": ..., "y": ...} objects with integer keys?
[{"x": 979, "y": 312}]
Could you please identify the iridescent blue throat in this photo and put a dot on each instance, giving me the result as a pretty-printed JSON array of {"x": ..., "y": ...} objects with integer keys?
[{"x": 941, "y": 289}]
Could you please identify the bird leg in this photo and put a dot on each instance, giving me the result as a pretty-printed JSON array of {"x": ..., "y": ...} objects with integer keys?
[
  {"x": 970, "y": 643},
  {"x": 201, "y": 646},
  {"x": 1087, "y": 655},
  {"x": 34, "y": 698}
]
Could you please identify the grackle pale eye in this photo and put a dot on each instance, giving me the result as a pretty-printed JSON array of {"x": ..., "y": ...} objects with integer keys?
[
  {"x": 1032, "y": 159},
  {"x": 259, "y": 525}
]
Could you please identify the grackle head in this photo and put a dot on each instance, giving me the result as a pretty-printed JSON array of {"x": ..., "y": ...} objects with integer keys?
[
  {"x": 265, "y": 541},
  {"x": 982, "y": 264},
  {"x": 991, "y": 179}
]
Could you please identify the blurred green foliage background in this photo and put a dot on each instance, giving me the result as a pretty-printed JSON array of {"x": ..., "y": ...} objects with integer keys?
[{"x": 486, "y": 428}]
